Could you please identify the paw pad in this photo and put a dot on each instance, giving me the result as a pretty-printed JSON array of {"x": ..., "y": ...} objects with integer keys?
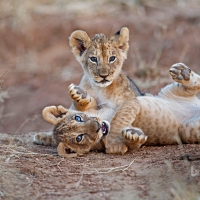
[
  {"x": 78, "y": 95},
  {"x": 180, "y": 72},
  {"x": 134, "y": 134}
]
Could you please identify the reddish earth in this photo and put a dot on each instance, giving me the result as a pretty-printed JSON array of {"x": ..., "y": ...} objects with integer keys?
[{"x": 36, "y": 67}]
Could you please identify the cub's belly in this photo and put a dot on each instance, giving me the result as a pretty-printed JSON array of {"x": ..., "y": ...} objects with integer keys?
[{"x": 157, "y": 121}]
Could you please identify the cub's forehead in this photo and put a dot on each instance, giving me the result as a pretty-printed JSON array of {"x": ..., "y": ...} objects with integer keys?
[
  {"x": 101, "y": 40},
  {"x": 102, "y": 44}
]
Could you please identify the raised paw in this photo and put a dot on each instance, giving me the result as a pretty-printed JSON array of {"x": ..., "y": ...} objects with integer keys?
[
  {"x": 180, "y": 72},
  {"x": 134, "y": 135},
  {"x": 79, "y": 95},
  {"x": 54, "y": 114}
]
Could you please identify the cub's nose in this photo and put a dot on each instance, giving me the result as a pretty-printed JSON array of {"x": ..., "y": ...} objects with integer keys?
[
  {"x": 103, "y": 73},
  {"x": 103, "y": 76},
  {"x": 95, "y": 126}
]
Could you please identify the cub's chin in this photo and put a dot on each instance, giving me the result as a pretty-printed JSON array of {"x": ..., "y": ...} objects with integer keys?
[{"x": 103, "y": 84}]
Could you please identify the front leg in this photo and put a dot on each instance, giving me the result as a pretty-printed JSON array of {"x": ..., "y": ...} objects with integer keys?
[
  {"x": 135, "y": 137},
  {"x": 81, "y": 100},
  {"x": 124, "y": 116},
  {"x": 44, "y": 138}
]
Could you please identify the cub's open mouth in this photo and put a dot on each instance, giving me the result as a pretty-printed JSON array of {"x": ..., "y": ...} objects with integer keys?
[
  {"x": 105, "y": 129},
  {"x": 68, "y": 151}
]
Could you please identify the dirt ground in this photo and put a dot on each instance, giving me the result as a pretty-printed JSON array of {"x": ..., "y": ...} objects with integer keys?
[{"x": 36, "y": 67}]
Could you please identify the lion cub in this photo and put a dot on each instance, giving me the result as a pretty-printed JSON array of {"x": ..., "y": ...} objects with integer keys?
[{"x": 75, "y": 133}]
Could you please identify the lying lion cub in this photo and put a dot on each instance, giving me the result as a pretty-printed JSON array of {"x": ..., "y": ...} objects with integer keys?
[
  {"x": 172, "y": 117},
  {"x": 75, "y": 133}
]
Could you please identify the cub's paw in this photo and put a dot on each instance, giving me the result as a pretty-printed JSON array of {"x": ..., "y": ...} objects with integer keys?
[
  {"x": 134, "y": 135},
  {"x": 116, "y": 148},
  {"x": 79, "y": 95},
  {"x": 44, "y": 138},
  {"x": 180, "y": 72}
]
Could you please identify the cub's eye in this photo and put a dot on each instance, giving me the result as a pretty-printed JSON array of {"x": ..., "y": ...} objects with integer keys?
[
  {"x": 112, "y": 59},
  {"x": 78, "y": 118},
  {"x": 79, "y": 138},
  {"x": 93, "y": 59}
]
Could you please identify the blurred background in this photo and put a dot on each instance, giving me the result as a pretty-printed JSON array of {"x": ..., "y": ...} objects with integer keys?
[{"x": 36, "y": 65}]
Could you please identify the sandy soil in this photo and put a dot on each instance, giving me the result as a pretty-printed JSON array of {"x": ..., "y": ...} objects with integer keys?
[
  {"x": 30, "y": 171},
  {"x": 36, "y": 67}
]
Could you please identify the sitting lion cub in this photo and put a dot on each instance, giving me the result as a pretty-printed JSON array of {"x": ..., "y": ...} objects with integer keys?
[
  {"x": 104, "y": 90},
  {"x": 172, "y": 117}
]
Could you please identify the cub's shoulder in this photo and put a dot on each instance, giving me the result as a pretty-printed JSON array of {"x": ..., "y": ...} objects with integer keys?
[{"x": 129, "y": 83}]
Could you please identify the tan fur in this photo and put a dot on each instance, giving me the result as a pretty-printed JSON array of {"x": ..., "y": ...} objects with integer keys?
[{"x": 105, "y": 92}]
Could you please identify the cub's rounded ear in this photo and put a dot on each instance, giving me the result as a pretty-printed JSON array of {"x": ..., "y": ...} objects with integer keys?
[
  {"x": 54, "y": 114},
  {"x": 79, "y": 41},
  {"x": 65, "y": 151},
  {"x": 123, "y": 37}
]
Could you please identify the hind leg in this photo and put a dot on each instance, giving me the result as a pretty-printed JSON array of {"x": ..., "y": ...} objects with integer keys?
[
  {"x": 187, "y": 82},
  {"x": 184, "y": 75},
  {"x": 189, "y": 131}
]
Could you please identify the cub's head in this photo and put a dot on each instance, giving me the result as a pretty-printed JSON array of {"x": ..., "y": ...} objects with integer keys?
[
  {"x": 75, "y": 132},
  {"x": 101, "y": 57}
]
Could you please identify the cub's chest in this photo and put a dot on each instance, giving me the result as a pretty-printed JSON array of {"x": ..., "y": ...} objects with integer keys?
[{"x": 103, "y": 98}]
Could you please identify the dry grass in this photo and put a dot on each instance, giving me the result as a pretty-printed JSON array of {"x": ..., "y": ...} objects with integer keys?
[
  {"x": 4, "y": 94},
  {"x": 18, "y": 14},
  {"x": 179, "y": 189},
  {"x": 19, "y": 167}
]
